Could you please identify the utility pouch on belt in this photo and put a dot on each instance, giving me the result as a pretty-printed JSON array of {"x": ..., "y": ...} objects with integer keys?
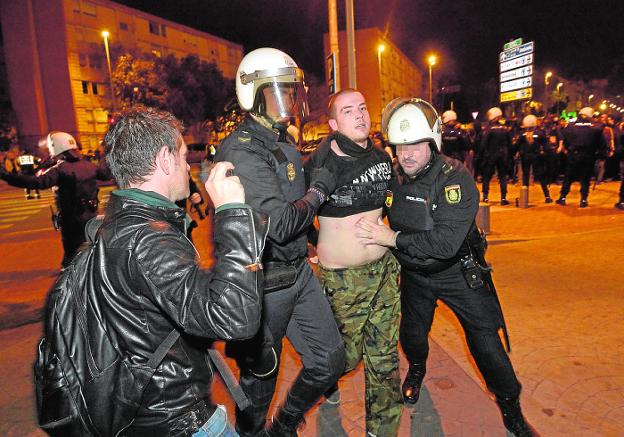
[
  {"x": 472, "y": 272},
  {"x": 279, "y": 275}
]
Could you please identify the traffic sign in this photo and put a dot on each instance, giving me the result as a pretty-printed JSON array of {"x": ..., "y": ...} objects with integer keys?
[
  {"x": 331, "y": 73},
  {"x": 511, "y": 44},
  {"x": 525, "y": 93},
  {"x": 524, "y": 49},
  {"x": 523, "y": 82},
  {"x": 517, "y": 73},
  {"x": 515, "y": 63}
]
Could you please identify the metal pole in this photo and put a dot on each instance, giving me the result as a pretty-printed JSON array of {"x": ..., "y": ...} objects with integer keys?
[
  {"x": 430, "y": 86},
  {"x": 110, "y": 71},
  {"x": 333, "y": 40},
  {"x": 350, "y": 43}
]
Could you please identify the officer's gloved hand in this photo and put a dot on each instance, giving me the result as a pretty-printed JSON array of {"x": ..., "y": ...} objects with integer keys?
[{"x": 322, "y": 179}]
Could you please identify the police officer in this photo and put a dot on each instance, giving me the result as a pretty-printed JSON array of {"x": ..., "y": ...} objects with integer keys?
[
  {"x": 582, "y": 143},
  {"x": 495, "y": 153},
  {"x": 535, "y": 154},
  {"x": 431, "y": 210},
  {"x": 455, "y": 142},
  {"x": 77, "y": 193},
  {"x": 270, "y": 87},
  {"x": 28, "y": 165}
]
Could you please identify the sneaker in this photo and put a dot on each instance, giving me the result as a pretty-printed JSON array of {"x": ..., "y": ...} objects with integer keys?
[
  {"x": 620, "y": 206},
  {"x": 548, "y": 200},
  {"x": 561, "y": 201},
  {"x": 583, "y": 203},
  {"x": 332, "y": 396},
  {"x": 504, "y": 202}
]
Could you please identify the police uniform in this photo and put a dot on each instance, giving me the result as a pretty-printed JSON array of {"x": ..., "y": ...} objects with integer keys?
[
  {"x": 77, "y": 195},
  {"x": 365, "y": 299},
  {"x": 455, "y": 142},
  {"x": 435, "y": 214},
  {"x": 583, "y": 142},
  {"x": 495, "y": 155},
  {"x": 536, "y": 153},
  {"x": 270, "y": 169}
]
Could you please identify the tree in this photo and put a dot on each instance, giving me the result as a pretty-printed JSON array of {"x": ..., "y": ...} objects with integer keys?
[
  {"x": 196, "y": 89},
  {"x": 139, "y": 79}
]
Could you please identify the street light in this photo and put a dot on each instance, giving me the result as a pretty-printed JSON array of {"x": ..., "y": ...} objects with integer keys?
[
  {"x": 431, "y": 60},
  {"x": 105, "y": 35},
  {"x": 380, "y": 48},
  {"x": 591, "y": 96},
  {"x": 559, "y": 85},
  {"x": 547, "y": 77}
]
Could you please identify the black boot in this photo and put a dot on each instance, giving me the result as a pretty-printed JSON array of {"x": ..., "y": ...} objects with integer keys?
[
  {"x": 285, "y": 424},
  {"x": 513, "y": 419},
  {"x": 413, "y": 382}
]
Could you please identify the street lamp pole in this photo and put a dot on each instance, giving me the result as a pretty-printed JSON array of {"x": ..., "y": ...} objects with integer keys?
[
  {"x": 380, "y": 48},
  {"x": 431, "y": 61},
  {"x": 105, "y": 35},
  {"x": 547, "y": 77}
]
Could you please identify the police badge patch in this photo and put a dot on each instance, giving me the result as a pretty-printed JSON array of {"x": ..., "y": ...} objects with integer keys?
[
  {"x": 290, "y": 170},
  {"x": 452, "y": 194},
  {"x": 389, "y": 197}
]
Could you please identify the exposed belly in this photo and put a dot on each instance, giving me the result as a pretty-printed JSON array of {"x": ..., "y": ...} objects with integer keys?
[{"x": 338, "y": 246}]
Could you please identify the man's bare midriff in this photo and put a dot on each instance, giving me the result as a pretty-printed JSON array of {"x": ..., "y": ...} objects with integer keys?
[{"x": 339, "y": 248}]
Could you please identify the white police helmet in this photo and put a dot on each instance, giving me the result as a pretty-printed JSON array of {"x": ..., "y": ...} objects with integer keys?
[
  {"x": 59, "y": 142},
  {"x": 529, "y": 121},
  {"x": 270, "y": 74},
  {"x": 587, "y": 112},
  {"x": 494, "y": 113},
  {"x": 449, "y": 116},
  {"x": 410, "y": 121}
]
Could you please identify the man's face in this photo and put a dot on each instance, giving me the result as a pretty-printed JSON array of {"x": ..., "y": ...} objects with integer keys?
[
  {"x": 180, "y": 175},
  {"x": 351, "y": 117},
  {"x": 273, "y": 97},
  {"x": 413, "y": 157}
]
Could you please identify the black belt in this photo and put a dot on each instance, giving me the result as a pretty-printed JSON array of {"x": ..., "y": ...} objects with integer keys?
[
  {"x": 297, "y": 263},
  {"x": 190, "y": 422}
]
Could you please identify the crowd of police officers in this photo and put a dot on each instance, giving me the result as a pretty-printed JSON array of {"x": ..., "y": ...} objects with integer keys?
[{"x": 550, "y": 148}]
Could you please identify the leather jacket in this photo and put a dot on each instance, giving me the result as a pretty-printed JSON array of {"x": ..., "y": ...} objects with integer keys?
[{"x": 150, "y": 282}]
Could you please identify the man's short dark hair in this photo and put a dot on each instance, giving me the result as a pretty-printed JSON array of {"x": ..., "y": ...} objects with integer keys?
[
  {"x": 331, "y": 104},
  {"x": 134, "y": 140}
]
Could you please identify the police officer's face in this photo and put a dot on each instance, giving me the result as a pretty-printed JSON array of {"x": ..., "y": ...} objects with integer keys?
[
  {"x": 413, "y": 157},
  {"x": 278, "y": 100},
  {"x": 351, "y": 117}
]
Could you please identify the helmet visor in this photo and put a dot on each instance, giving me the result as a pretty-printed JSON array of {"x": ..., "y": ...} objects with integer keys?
[
  {"x": 281, "y": 97},
  {"x": 427, "y": 110}
]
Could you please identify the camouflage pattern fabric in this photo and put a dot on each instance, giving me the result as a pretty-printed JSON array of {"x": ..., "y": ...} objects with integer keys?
[{"x": 367, "y": 307}]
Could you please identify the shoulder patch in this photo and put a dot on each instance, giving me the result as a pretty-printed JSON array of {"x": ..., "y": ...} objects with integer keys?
[
  {"x": 452, "y": 194},
  {"x": 447, "y": 168},
  {"x": 244, "y": 139}
]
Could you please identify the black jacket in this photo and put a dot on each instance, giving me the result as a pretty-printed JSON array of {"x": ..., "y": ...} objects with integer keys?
[
  {"x": 434, "y": 212},
  {"x": 272, "y": 175},
  {"x": 76, "y": 179},
  {"x": 149, "y": 282},
  {"x": 584, "y": 140}
]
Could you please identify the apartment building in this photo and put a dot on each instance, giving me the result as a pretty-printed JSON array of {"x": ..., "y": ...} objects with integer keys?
[{"x": 57, "y": 66}]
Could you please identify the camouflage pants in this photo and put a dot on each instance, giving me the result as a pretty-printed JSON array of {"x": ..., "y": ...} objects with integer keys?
[{"x": 367, "y": 308}]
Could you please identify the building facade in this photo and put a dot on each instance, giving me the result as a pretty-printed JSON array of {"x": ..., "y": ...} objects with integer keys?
[
  {"x": 383, "y": 72},
  {"x": 57, "y": 65}
]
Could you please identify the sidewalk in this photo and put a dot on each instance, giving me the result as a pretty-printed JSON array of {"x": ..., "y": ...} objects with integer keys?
[{"x": 558, "y": 273}]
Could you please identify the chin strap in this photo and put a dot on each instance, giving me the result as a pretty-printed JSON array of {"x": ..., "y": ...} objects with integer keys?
[{"x": 281, "y": 128}]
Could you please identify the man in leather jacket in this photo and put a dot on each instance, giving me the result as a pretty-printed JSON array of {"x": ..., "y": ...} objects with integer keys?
[
  {"x": 431, "y": 211},
  {"x": 270, "y": 87},
  {"x": 149, "y": 277},
  {"x": 77, "y": 195}
]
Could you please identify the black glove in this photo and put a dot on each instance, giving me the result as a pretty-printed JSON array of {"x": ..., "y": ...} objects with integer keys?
[{"x": 322, "y": 179}]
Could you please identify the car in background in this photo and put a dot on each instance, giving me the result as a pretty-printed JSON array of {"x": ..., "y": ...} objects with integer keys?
[{"x": 196, "y": 152}]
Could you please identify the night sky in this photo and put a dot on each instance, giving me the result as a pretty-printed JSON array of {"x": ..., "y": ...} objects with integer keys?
[{"x": 577, "y": 39}]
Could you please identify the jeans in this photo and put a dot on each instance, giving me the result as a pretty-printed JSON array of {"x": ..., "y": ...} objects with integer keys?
[{"x": 217, "y": 425}]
